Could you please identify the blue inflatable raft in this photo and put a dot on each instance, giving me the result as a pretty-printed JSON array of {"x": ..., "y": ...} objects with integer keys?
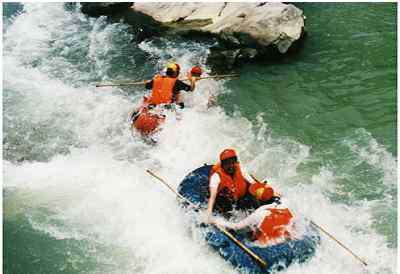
[{"x": 194, "y": 188}]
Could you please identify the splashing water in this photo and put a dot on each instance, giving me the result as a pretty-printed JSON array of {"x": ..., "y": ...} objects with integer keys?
[{"x": 73, "y": 170}]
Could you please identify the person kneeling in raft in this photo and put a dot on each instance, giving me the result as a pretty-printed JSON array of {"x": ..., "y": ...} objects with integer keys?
[
  {"x": 270, "y": 224},
  {"x": 228, "y": 187},
  {"x": 166, "y": 89}
]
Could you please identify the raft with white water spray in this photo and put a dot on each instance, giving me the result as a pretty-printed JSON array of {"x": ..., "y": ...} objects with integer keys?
[
  {"x": 148, "y": 118},
  {"x": 194, "y": 188}
]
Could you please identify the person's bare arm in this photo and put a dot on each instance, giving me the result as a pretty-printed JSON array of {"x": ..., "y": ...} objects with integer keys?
[
  {"x": 192, "y": 81},
  {"x": 250, "y": 221},
  {"x": 246, "y": 222}
]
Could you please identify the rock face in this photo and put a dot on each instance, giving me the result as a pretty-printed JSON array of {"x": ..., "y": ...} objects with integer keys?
[
  {"x": 244, "y": 31},
  {"x": 239, "y": 24}
]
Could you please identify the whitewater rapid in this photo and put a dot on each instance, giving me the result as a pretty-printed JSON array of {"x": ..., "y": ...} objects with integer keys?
[{"x": 69, "y": 152}]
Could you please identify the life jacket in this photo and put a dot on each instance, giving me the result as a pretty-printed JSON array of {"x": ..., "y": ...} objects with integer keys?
[
  {"x": 237, "y": 186},
  {"x": 274, "y": 226},
  {"x": 163, "y": 90},
  {"x": 146, "y": 122}
]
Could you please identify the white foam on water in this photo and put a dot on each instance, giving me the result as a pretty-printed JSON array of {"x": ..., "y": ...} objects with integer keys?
[
  {"x": 100, "y": 188},
  {"x": 376, "y": 155}
]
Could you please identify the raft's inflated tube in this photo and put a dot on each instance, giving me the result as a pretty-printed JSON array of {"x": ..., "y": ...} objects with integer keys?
[{"x": 194, "y": 187}]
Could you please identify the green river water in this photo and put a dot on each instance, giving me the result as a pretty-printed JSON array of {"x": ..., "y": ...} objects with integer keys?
[{"x": 324, "y": 118}]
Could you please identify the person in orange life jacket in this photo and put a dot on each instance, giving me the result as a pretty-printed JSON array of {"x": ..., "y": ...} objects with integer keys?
[
  {"x": 166, "y": 89},
  {"x": 269, "y": 224},
  {"x": 228, "y": 187}
]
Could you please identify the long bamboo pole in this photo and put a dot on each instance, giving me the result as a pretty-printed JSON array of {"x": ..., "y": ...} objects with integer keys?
[
  {"x": 142, "y": 82},
  {"x": 260, "y": 261},
  {"x": 339, "y": 243}
]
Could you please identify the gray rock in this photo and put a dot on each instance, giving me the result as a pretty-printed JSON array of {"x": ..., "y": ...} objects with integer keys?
[
  {"x": 244, "y": 31},
  {"x": 104, "y": 8},
  {"x": 221, "y": 60},
  {"x": 236, "y": 24}
]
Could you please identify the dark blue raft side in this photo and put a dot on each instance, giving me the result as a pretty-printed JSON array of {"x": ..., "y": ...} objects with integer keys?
[{"x": 194, "y": 187}]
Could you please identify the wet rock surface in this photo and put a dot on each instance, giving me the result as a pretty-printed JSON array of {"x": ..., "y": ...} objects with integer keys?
[{"x": 243, "y": 31}]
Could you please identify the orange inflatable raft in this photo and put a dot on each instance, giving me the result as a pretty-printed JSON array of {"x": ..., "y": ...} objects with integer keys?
[{"x": 145, "y": 120}]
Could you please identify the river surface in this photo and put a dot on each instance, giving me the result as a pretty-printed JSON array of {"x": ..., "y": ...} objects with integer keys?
[{"x": 320, "y": 125}]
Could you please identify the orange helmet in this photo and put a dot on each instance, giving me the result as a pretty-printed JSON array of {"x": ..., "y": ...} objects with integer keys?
[
  {"x": 227, "y": 153},
  {"x": 261, "y": 191}
]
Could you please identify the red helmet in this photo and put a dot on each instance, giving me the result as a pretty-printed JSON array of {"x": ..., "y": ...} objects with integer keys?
[
  {"x": 196, "y": 71},
  {"x": 227, "y": 153}
]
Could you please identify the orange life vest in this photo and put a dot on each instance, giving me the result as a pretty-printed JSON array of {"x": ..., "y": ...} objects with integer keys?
[
  {"x": 274, "y": 225},
  {"x": 163, "y": 90},
  {"x": 147, "y": 122},
  {"x": 236, "y": 185}
]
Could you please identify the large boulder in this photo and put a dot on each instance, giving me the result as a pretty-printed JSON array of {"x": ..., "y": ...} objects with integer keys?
[
  {"x": 238, "y": 24},
  {"x": 244, "y": 30}
]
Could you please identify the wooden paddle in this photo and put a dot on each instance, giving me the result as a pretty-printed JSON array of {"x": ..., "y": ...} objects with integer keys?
[
  {"x": 331, "y": 236},
  {"x": 254, "y": 256},
  {"x": 142, "y": 82}
]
